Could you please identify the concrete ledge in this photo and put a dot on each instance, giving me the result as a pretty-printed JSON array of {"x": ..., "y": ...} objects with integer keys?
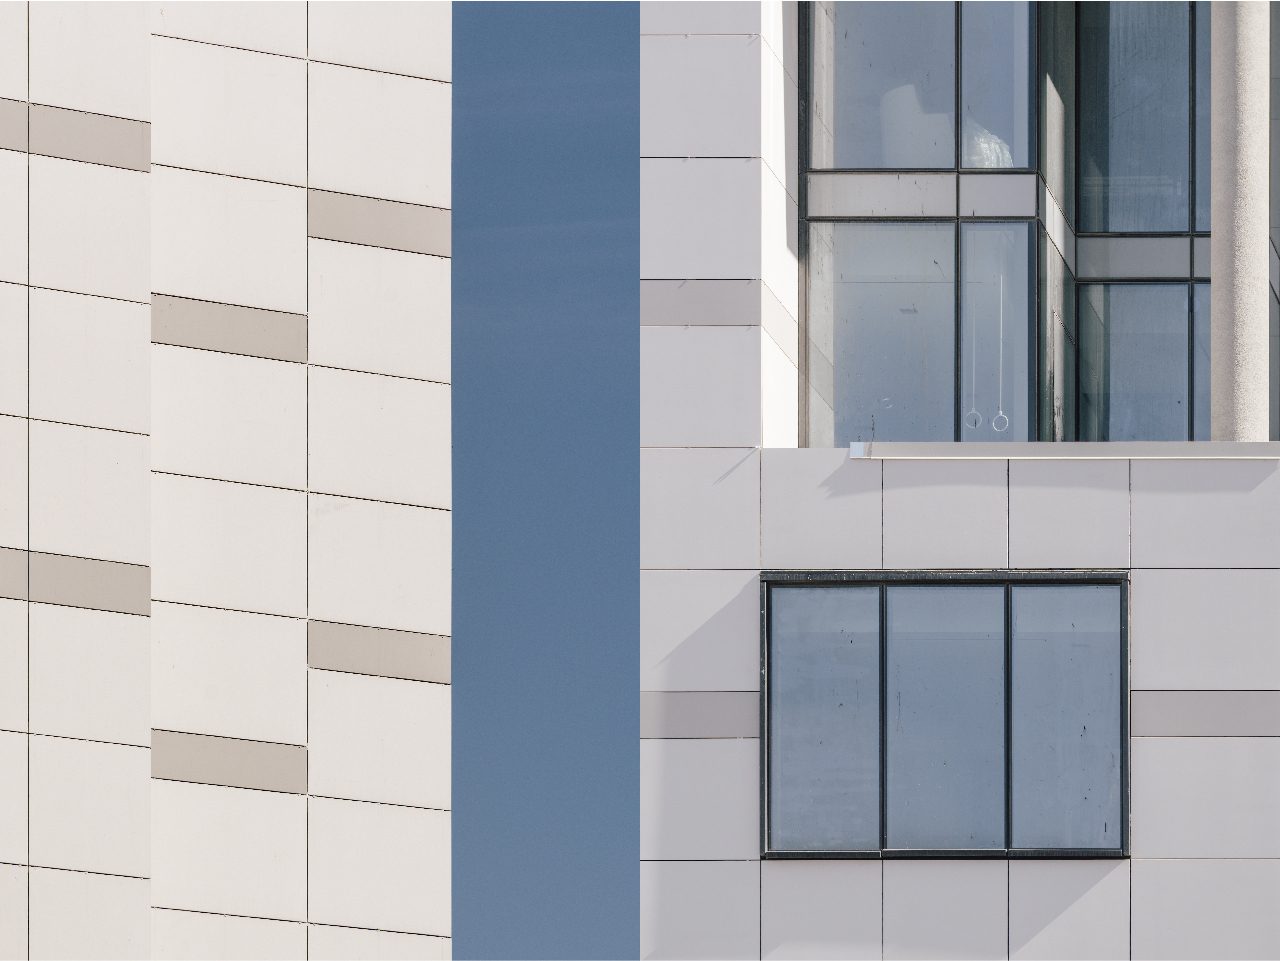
[
  {"x": 1204, "y": 713},
  {"x": 699, "y": 714},
  {"x": 1087, "y": 450},
  {"x": 229, "y": 762}
]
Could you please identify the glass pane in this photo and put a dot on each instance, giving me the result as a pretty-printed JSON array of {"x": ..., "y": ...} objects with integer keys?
[
  {"x": 1134, "y": 116},
  {"x": 1066, "y": 717},
  {"x": 995, "y": 321},
  {"x": 891, "y": 92},
  {"x": 1134, "y": 364},
  {"x": 1200, "y": 360},
  {"x": 945, "y": 722},
  {"x": 824, "y": 719},
  {"x": 1058, "y": 103},
  {"x": 1203, "y": 151},
  {"x": 1275, "y": 367},
  {"x": 821, "y": 328},
  {"x": 1057, "y": 346},
  {"x": 895, "y": 332},
  {"x": 995, "y": 72}
]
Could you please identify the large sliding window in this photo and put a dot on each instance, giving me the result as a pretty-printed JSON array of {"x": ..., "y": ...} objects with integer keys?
[{"x": 945, "y": 714}]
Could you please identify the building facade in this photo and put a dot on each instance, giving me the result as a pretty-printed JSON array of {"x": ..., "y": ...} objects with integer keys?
[
  {"x": 883, "y": 349},
  {"x": 225, "y": 505}
]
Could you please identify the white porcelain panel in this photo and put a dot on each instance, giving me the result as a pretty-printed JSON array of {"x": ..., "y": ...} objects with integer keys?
[
  {"x": 78, "y": 915},
  {"x": 229, "y": 850},
  {"x": 13, "y": 903},
  {"x": 1205, "y": 797},
  {"x": 1204, "y": 629},
  {"x": 13, "y": 482},
  {"x": 700, "y": 387},
  {"x": 380, "y": 565},
  {"x": 90, "y": 673},
  {"x": 13, "y": 666},
  {"x": 946, "y": 909},
  {"x": 679, "y": 16},
  {"x": 384, "y": 438},
  {"x": 1102, "y": 258},
  {"x": 196, "y": 935},
  {"x": 1068, "y": 909},
  {"x": 699, "y": 909},
  {"x": 379, "y": 739},
  {"x": 228, "y": 673},
  {"x": 1206, "y": 909},
  {"x": 700, "y": 218},
  {"x": 326, "y": 941},
  {"x": 414, "y": 39},
  {"x": 1202, "y": 253},
  {"x": 997, "y": 195},
  {"x": 700, "y": 799},
  {"x": 700, "y": 508},
  {"x": 701, "y": 96},
  {"x": 379, "y": 866},
  {"x": 229, "y": 240},
  {"x": 819, "y": 509},
  {"x": 882, "y": 195},
  {"x": 13, "y": 331},
  {"x": 379, "y": 135},
  {"x": 91, "y": 56},
  {"x": 273, "y": 26},
  {"x": 384, "y": 311},
  {"x": 229, "y": 417},
  {"x": 89, "y": 493},
  {"x": 90, "y": 808},
  {"x": 13, "y": 797},
  {"x": 1069, "y": 513},
  {"x": 779, "y": 395},
  {"x": 946, "y": 514},
  {"x": 820, "y": 909},
  {"x": 699, "y": 631},
  {"x": 228, "y": 111},
  {"x": 229, "y": 545},
  {"x": 89, "y": 361},
  {"x": 89, "y": 230},
  {"x": 13, "y": 211},
  {"x": 13, "y": 54},
  {"x": 1206, "y": 513}
]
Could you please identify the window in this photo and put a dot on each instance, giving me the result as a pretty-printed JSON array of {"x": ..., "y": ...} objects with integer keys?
[{"x": 936, "y": 715}]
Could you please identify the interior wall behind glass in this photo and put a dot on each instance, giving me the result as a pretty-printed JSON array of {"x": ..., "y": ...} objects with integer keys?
[
  {"x": 995, "y": 84},
  {"x": 1134, "y": 362},
  {"x": 893, "y": 84},
  {"x": 1057, "y": 29},
  {"x": 894, "y": 331},
  {"x": 995, "y": 332},
  {"x": 1204, "y": 139},
  {"x": 1134, "y": 116}
]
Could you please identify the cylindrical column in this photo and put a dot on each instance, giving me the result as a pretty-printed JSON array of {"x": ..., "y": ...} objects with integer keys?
[{"x": 1240, "y": 127}]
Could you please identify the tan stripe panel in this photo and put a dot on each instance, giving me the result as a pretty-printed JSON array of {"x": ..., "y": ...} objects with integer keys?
[
  {"x": 378, "y": 651},
  {"x": 1204, "y": 713},
  {"x": 228, "y": 328},
  {"x": 229, "y": 761},
  {"x": 13, "y": 125},
  {"x": 13, "y": 573},
  {"x": 378, "y": 223},
  {"x": 90, "y": 137},
  {"x": 98, "y": 585},
  {"x": 700, "y": 714}
]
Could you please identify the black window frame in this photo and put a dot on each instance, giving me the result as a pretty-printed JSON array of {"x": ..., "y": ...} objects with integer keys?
[{"x": 1008, "y": 579}]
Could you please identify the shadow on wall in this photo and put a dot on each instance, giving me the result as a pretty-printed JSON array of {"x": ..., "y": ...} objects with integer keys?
[
  {"x": 848, "y": 479},
  {"x": 1210, "y": 476}
]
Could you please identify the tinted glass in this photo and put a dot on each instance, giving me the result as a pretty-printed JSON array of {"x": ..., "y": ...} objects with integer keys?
[
  {"x": 1057, "y": 23},
  {"x": 1134, "y": 365},
  {"x": 1203, "y": 139},
  {"x": 1134, "y": 116},
  {"x": 892, "y": 84},
  {"x": 1066, "y": 717},
  {"x": 1058, "y": 353},
  {"x": 1200, "y": 359},
  {"x": 945, "y": 718},
  {"x": 995, "y": 94},
  {"x": 995, "y": 321},
  {"x": 824, "y": 716},
  {"x": 894, "y": 336}
]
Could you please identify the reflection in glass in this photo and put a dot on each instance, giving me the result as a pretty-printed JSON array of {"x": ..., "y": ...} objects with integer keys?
[
  {"x": 1057, "y": 26},
  {"x": 1057, "y": 346},
  {"x": 1133, "y": 362},
  {"x": 824, "y": 719},
  {"x": 1200, "y": 329},
  {"x": 1203, "y": 139},
  {"x": 1134, "y": 116},
  {"x": 995, "y": 320},
  {"x": 995, "y": 96},
  {"x": 894, "y": 332},
  {"x": 1275, "y": 365},
  {"x": 1066, "y": 717},
  {"x": 884, "y": 78},
  {"x": 945, "y": 718},
  {"x": 821, "y": 330}
]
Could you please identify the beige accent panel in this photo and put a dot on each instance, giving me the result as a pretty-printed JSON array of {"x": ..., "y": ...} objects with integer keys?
[
  {"x": 703, "y": 714},
  {"x": 13, "y": 573},
  {"x": 182, "y": 322},
  {"x": 1205, "y": 714},
  {"x": 378, "y": 223},
  {"x": 228, "y": 761},
  {"x": 378, "y": 651},
  {"x": 13, "y": 125},
  {"x": 90, "y": 137},
  {"x": 97, "y": 585}
]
